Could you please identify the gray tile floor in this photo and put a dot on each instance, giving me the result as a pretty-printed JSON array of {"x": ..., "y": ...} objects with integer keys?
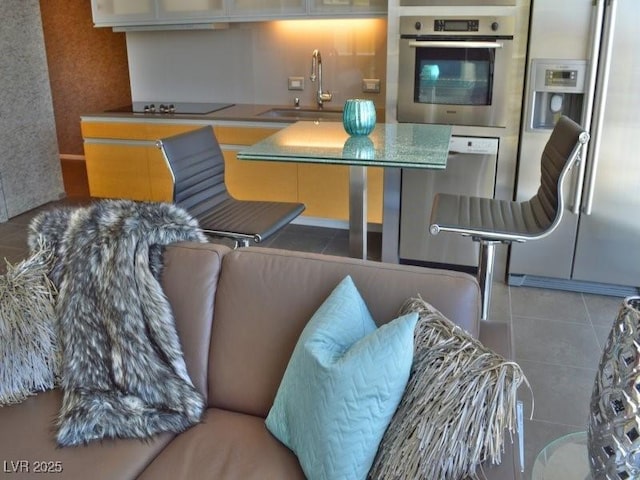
[
  {"x": 558, "y": 339},
  {"x": 558, "y": 336}
]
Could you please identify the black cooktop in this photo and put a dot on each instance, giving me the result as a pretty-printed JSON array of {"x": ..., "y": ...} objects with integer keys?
[{"x": 168, "y": 108}]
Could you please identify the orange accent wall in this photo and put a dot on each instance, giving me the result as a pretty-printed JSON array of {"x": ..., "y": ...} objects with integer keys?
[{"x": 88, "y": 68}]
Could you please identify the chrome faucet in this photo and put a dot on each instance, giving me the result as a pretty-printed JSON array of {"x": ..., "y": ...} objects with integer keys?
[{"x": 316, "y": 72}]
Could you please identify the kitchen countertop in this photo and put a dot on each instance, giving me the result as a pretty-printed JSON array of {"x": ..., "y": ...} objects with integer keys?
[{"x": 238, "y": 112}]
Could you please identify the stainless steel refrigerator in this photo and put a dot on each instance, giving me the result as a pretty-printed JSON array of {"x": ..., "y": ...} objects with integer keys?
[{"x": 584, "y": 61}]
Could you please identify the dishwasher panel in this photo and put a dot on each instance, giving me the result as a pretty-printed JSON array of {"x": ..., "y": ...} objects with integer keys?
[{"x": 471, "y": 170}]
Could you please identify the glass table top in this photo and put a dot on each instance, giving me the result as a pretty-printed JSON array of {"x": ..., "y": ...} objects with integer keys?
[
  {"x": 563, "y": 459},
  {"x": 403, "y": 145}
]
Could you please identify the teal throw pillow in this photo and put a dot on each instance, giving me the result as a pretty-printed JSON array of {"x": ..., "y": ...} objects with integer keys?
[{"x": 342, "y": 386}]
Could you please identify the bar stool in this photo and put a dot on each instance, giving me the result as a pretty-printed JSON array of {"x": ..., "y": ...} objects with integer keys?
[
  {"x": 197, "y": 167},
  {"x": 489, "y": 221}
]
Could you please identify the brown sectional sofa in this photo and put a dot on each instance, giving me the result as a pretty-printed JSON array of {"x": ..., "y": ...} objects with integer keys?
[{"x": 238, "y": 314}]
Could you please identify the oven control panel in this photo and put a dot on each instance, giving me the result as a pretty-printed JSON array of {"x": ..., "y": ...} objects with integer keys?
[
  {"x": 489, "y": 25},
  {"x": 440, "y": 25}
]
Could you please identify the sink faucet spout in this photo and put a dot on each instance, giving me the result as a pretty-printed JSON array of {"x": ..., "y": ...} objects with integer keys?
[{"x": 316, "y": 73}]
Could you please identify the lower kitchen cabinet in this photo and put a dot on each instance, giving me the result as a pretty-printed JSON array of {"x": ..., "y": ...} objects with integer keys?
[
  {"x": 123, "y": 161},
  {"x": 133, "y": 171},
  {"x": 118, "y": 171},
  {"x": 260, "y": 180},
  {"x": 255, "y": 180},
  {"x": 324, "y": 189}
]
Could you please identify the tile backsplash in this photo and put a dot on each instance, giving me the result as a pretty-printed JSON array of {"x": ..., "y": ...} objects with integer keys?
[{"x": 251, "y": 62}]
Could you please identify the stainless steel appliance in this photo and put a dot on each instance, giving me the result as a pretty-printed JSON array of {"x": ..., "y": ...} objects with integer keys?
[
  {"x": 454, "y": 70},
  {"x": 557, "y": 88},
  {"x": 596, "y": 248},
  {"x": 168, "y": 108},
  {"x": 471, "y": 169}
]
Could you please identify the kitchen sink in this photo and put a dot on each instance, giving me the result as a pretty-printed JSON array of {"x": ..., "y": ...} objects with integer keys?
[{"x": 303, "y": 114}]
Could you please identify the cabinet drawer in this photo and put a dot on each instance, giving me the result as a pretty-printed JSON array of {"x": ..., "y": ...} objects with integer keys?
[
  {"x": 133, "y": 131},
  {"x": 242, "y": 135},
  {"x": 255, "y": 180},
  {"x": 324, "y": 189}
]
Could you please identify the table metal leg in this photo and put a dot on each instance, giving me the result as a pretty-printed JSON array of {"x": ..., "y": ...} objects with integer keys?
[
  {"x": 358, "y": 212},
  {"x": 391, "y": 215}
]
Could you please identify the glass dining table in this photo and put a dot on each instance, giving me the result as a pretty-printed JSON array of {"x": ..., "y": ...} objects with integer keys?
[{"x": 390, "y": 145}]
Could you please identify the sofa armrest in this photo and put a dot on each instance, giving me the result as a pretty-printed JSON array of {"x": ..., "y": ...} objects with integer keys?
[{"x": 190, "y": 280}]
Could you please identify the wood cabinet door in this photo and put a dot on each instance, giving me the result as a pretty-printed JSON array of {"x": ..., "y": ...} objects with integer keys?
[
  {"x": 257, "y": 180},
  {"x": 324, "y": 189},
  {"x": 132, "y": 130},
  {"x": 118, "y": 170}
]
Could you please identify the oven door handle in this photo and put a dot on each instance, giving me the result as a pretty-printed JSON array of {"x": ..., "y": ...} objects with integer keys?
[{"x": 453, "y": 44}]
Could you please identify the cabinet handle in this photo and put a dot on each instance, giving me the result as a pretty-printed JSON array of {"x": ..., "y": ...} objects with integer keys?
[{"x": 453, "y": 44}]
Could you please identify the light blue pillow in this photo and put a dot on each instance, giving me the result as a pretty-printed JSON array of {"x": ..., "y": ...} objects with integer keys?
[{"x": 343, "y": 384}]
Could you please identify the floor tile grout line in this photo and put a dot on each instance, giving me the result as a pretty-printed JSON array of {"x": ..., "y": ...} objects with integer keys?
[
  {"x": 530, "y": 317},
  {"x": 593, "y": 327},
  {"x": 547, "y": 422},
  {"x": 589, "y": 369}
]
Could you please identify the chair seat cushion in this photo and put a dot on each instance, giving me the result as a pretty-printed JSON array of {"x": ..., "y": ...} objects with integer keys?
[
  {"x": 226, "y": 445},
  {"x": 488, "y": 218},
  {"x": 256, "y": 219}
]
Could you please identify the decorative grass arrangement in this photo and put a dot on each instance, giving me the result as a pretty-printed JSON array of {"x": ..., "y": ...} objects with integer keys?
[
  {"x": 29, "y": 351},
  {"x": 458, "y": 405}
]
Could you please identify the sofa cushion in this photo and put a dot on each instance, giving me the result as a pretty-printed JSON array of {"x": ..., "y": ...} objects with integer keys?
[
  {"x": 343, "y": 383},
  {"x": 457, "y": 409},
  {"x": 266, "y": 296},
  {"x": 226, "y": 445},
  {"x": 189, "y": 280},
  {"x": 29, "y": 352},
  {"x": 28, "y": 436}
]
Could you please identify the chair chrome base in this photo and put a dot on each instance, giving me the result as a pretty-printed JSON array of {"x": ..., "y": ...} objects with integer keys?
[{"x": 485, "y": 271}]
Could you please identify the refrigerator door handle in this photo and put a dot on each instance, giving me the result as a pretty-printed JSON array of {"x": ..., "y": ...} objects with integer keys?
[
  {"x": 599, "y": 104},
  {"x": 590, "y": 95}
]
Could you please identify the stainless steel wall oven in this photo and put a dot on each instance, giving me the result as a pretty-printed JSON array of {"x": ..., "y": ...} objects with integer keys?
[{"x": 454, "y": 70}]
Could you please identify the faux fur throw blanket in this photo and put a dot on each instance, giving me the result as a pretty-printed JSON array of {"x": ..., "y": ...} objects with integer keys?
[{"x": 123, "y": 374}]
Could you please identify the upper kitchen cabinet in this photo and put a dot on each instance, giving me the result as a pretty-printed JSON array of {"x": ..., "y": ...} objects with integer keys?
[
  {"x": 107, "y": 13},
  {"x": 128, "y": 13},
  {"x": 266, "y": 9},
  {"x": 185, "y": 10},
  {"x": 347, "y": 7},
  {"x": 168, "y": 13}
]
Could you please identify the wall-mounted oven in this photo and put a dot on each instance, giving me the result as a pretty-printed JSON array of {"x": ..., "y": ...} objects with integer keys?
[{"x": 454, "y": 70}]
